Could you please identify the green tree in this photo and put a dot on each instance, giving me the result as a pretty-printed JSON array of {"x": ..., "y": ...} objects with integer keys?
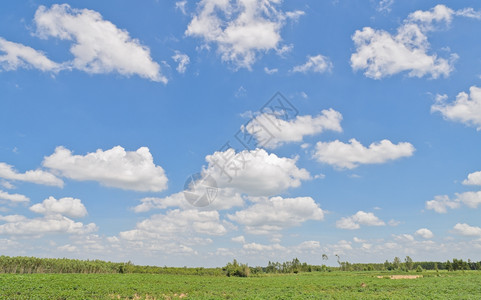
[
  {"x": 409, "y": 263},
  {"x": 396, "y": 263}
]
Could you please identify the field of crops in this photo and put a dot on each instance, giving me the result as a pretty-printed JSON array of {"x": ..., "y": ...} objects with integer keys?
[{"x": 316, "y": 285}]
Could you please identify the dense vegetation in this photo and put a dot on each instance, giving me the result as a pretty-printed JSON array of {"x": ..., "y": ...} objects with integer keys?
[
  {"x": 27, "y": 265},
  {"x": 309, "y": 285}
]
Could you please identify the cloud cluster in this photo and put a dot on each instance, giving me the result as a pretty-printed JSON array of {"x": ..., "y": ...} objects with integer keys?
[
  {"x": 465, "y": 109},
  {"x": 440, "y": 204},
  {"x": 129, "y": 170},
  {"x": 424, "y": 233},
  {"x": 240, "y": 29},
  {"x": 467, "y": 230},
  {"x": 255, "y": 172},
  {"x": 273, "y": 131},
  {"x": 382, "y": 54},
  {"x": 182, "y": 60},
  {"x": 54, "y": 221},
  {"x": 314, "y": 64},
  {"x": 351, "y": 155},
  {"x": 69, "y": 207},
  {"x": 98, "y": 46},
  {"x": 34, "y": 176},
  {"x": 15, "y": 198},
  {"x": 277, "y": 213},
  {"x": 473, "y": 179},
  {"x": 20, "y": 56},
  {"x": 360, "y": 218}
]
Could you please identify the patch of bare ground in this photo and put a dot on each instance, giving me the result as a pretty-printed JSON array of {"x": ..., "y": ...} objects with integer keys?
[{"x": 401, "y": 276}]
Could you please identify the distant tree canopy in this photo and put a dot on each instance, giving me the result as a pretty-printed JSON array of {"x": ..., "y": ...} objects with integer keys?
[{"x": 25, "y": 265}]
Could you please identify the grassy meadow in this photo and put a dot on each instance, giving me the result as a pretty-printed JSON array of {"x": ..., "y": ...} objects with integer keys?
[{"x": 315, "y": 285}]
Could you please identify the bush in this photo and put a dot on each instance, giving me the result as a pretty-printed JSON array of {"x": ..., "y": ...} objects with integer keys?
[{"x": 419, "y": 269}]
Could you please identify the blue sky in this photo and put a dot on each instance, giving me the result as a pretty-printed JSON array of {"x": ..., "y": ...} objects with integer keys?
[{"x": 107, "y": 108}]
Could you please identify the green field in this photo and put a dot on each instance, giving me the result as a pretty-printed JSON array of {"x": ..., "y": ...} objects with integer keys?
[{"x": 316, "y": 285}]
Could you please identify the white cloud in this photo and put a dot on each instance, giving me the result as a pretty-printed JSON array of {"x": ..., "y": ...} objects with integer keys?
[
  {"x": 99, "y": 46},
  {"x": 225, "y": 198},
  {"x": 239, "y": 239},
  {"x": 69, "y": 207},
  {"x": 385, "y": 5},
  {"x": 314, "y": 64},
  {"x": 180, "y": 5},
  {"x": 465, "y": 109},
  {"x": 353, "y": 154},
  {"x": 471, "y": 199},
  {"x": 467, "y": 230},
  {"x": 473, "y": 179},
  {"x": 277, "y": 213},
  {"x": 20, "y": 56},
  {"x": 175, "y": 223},
  {"x": 469, "y": 12},
  {"x": 441, "y": 203},
  {"x": 12, "y": 218},
  {"x": 47, "y": 225},
  {"x": 403, "y": 238},
  {"x": 33, "y": 176},
  {"x": 16, "y": 198},
  {"x": 270, "y": 71},
  {"x": 425, "y": 233},
  {"x": 129, "y": 170},
  {"x": 358, "y": 240},
  {"x": 382, "y": 54},
  {"x": 360, "y": 218},
  {"x": 273, "y": 131},
  {"x": 183, "y": 60},
  {"x": 240, "y": 29},
  {"x": 255, "y": 247},
  {"x": 256, "y": 172}
]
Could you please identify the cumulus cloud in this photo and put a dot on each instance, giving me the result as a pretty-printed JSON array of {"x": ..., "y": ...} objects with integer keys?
[
  {"x": 273, "y": 131},
  {"x": 239, "y": 239},
  {"x": 277, "y": 213},
  {"x": 467, "y": 230},
  {"x": 240, "y": 29},
  {"x": 382, "y": 54},
  {"x": 15, "y": 198},
  {"x": 33, "y": 176},
  {"x": 54, "y": 224},
  {"x": 129, "y": 170},
  {"x": 225, "y": 198},
  {"x": 471, "y": 199},
  {"x": 473, "y": 179},
  {"x": 68, "y": 206},
  {"x": 352, "y": 154},
  {"x": 314, "y": 64},
  {"x": 424, "y": 233},
  {"x": 441, "y": 203},
  {"x": 255, "y": 247},
  {"x": 177, "y": 222},
  {"x": 255, "y": 172},
  {"x": 14, "y": 56},
  {"x": 182, "y": 60},
  {"x": 99, "y": 46},
  {"x": 465, "y": 109},
  {"x": 360, "y": 218}
]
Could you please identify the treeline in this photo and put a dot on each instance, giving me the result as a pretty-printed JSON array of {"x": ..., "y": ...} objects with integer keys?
[
  {"x": 27, "y": 265},
  {"x": 408, "y": 265}
]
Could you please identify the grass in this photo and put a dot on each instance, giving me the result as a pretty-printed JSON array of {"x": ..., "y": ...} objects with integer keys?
[{"x": 334, "y": 285}]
